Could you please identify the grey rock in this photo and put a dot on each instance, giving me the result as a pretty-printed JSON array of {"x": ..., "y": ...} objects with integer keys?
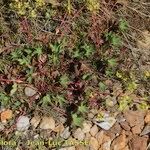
[
  {"x": 66, "y": 133},
  {"x": 107, "y": 122},
  {"x": 23, "y": 123},
  {"x": 146, "y": 130},
  {"x": 47, "y": 123},
  {"x": 30, "y": 91}
]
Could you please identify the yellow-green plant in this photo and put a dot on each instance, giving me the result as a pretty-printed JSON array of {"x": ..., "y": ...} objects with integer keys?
[
  {"x": 124, "y": 102},
  {"x": 131, "y": 86},
  {"x": 69, "y": 6},
  {"x": 143, "y": 106},
  {"x": 93, "y": 5},
  {"x": 27, "y": 7}
]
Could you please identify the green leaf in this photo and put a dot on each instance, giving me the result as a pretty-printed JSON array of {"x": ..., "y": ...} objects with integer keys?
[
  {"x": 77, "y": 121},
  {"x": 14, "y": 89},
  {"x": 114, "y": 39},
  {"x": 77, "y": 54},
  {"x": 64, "y": 80},
  {"x": 82, "y": 108},
  {"x": 86, "y": 76},
  {"x": 60, "y": 100},
  {"x": 56, "y": 48},
  {"x": 88, "y": 49},
  {"x": 29, "y": 74},
  {"x": 102, "y": 86},
  {"x": 4, "y": 99},
  {"x": 17, "y": 103},
  {"x": 46, "y": 100},
  {"x": 112, "y": 62},
  {"x": 37, "y": 51},
  {"x": 123, "y": 25},
  {"x": 109, "y": 72}
]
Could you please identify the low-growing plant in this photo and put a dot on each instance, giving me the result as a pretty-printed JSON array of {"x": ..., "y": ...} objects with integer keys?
[
  {"x": 29, "y": 74},
  {"x": 50, "y": 99},
  {"x": 102, "y": 86},
  {"x": 14, "y": 89},
  {"x": 124, "y": 102},
  {"x": 82, "y": 108},
  {"x": 46, "y": 100},
  {"x": 88, "y": 49},
  {"x": 131, "y": 86},
  {"x": 4, "y": 99},
  {"x": 87, "y": 76},
  {"x": 57, "y": 49},
  {"x": 93, "y": 5},
  {"x": 77, "y": 120},
  {"x": 69, "y": 6},
  {"x": 143, "y": 106},
  {"x": 113, "y": 39},
  {"x": 112, "y": 62},
  {"x": 64, "y": 80},
  {"x": 24, "y": 56},
  {"x": 83, "y": 51},
  {"x": 60, "y": 100},
  {"x": 123, "y": 25}
]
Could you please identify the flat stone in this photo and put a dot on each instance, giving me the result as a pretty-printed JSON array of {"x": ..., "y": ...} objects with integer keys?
[
  {"x": 126, "y": 148},
  {"x": 71, "y": 148},
  {"x": 107, "y": 123},
  {"x": 47, "y": 123},
  {"x": 86, "y": 127},
  {"x": 106, "y": 138},
  {"x": 23, "y": 123},
  {"x": 35, "y": 121},
  {"x": 138, "y": 143},
  {"x": 111, "y": 135},
  {"x": 90, "y": 116},
  {"x": 120, "y": 118},
  {"x": 129, "y": 135},
  {"x": 94, "y": 111},
  {"x": 120, "y": 142},
  {"x": 93, "y": 143},
  {"x": 116, "y": 129},
  {"x": 147, "y": 118},
  {"x": 68, "y": 148},
  {"x": 66, "y": 133},
  {"x": 94, "y": 130},
  {"x": 79, "y": 134},
  {"x": 125, "y": 126},
  {"x": 136, "y": 129},
  {"x": 106, "y": 145},
  {"x": 87, "y": 136},
  {"x": 59, "y": 129},
  {"x": 134, "y": 117},
  {"x": 80, "y": 147},
  {"x": 111, "y": 101},
  {"x": 30, "y": 91},
  {"x": 99, "y": 137}
]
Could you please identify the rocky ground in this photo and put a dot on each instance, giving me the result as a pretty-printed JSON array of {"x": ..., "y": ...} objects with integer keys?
[{"x": 126, "y": 131}]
